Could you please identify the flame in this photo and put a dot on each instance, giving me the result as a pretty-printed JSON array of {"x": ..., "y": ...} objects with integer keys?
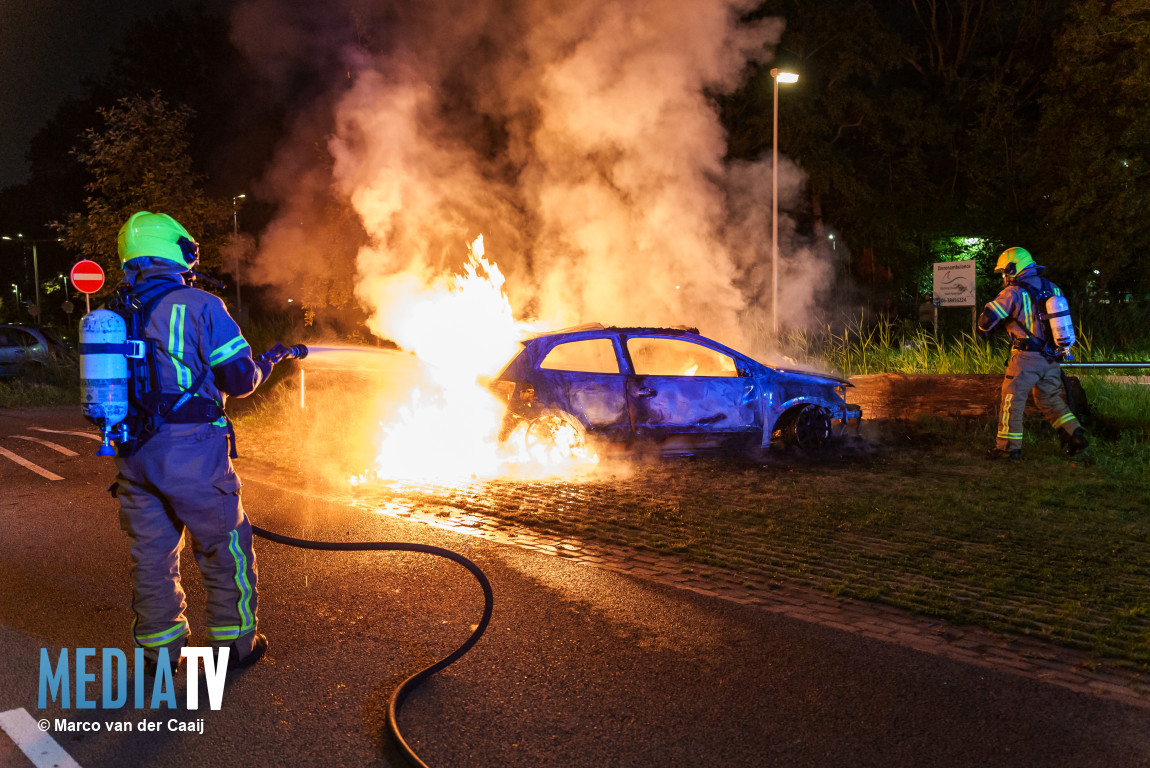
[{"x": 462, "y": 329}]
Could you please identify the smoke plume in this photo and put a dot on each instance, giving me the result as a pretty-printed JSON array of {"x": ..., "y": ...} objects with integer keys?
[{"x": 580, "y": 138}]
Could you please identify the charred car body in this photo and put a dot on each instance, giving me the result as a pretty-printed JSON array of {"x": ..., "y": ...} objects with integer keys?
[{"x": 665, "y": 388}]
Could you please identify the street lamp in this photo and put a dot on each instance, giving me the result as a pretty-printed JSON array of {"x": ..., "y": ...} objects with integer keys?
[
  {"x": 779, "y": 77},
  {"x": 35, "y": 264},
  {"x": 236, "y": 231},
  {"x": 16, "y": 289}
]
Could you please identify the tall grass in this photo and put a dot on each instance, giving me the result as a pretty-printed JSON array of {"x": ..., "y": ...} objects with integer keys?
[
  {"x": 882, "y": 346},
  {"x": 57, "y": 383}
]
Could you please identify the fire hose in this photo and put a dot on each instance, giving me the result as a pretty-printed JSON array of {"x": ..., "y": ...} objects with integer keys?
[
  {"x": 298, "y": 351},
  {"x": 400, "y": 694}
]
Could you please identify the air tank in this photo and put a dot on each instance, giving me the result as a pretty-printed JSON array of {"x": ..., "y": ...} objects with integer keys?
[
  {"x": 1061, "y": 326},
  {"x": 103, "y": 373}
]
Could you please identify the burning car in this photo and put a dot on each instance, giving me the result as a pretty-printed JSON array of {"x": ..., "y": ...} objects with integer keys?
[{"x": 670, "y": 389}]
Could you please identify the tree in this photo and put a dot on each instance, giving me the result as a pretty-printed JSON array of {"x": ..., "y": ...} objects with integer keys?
[
  {"x": 1093, "y": 149},
  {"x": 914, "y": 120},
  {"x": 138, "y": 160}
]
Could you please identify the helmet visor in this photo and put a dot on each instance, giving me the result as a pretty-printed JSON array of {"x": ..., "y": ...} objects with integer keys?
[{"x": 191, "y": 250}]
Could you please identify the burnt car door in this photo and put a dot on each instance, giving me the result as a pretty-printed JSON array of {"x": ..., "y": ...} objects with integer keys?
[
  {"x": 679, "y": 386},
  {"x": 583, "y": 377}
]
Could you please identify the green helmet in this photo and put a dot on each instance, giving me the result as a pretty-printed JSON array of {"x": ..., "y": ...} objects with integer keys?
[
  {"x": 157, "y": 235},
  {"x": 1012, "y": 262}
]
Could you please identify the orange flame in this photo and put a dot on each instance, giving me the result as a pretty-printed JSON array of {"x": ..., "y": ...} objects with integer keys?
[{"x": 462, "y": 328}]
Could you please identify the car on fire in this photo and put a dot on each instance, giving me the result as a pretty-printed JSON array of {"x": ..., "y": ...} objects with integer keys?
[{"x": 667, "y": 389}]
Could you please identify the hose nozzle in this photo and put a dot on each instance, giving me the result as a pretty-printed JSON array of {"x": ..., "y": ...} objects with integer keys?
[{"x": 279, "y": 353}]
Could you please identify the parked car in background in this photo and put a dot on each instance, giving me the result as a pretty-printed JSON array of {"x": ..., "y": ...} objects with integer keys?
[
  {"x": 25, "y": 348},
  {"x": 667, "y": 388}
]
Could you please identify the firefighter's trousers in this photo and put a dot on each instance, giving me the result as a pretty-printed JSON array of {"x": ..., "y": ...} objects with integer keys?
[
  {"x": 182, "y": 479},
  {"x": 1027, "y": 371}
]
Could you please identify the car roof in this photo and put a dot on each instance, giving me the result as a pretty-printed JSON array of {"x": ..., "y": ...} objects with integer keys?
[
  {"x": 678, "y": 330},
  {"x": 593, "y": 329},
  {"x": 27, "y": 328}
]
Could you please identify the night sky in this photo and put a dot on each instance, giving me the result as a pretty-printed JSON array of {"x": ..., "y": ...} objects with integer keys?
[{"x": 47, "y": 48}]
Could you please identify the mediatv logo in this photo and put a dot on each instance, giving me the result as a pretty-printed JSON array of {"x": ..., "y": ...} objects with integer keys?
[{"x": 56, "y": 681}]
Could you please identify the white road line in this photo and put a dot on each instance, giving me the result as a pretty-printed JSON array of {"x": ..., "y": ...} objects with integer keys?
[
  {"x": 40, "y": 748},
  {"x": 88, "y": 435},
  {"x": 54, "y": 446},
  {"x": 25, "y": 463}
]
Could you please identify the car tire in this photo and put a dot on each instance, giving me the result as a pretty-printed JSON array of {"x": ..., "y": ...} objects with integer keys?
[
  {"x": 552, "y": 427},
  {"x": 809, "y": 429}
]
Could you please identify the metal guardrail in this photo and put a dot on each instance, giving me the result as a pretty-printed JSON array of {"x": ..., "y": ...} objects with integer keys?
[{"x": 1105, "y": 365}]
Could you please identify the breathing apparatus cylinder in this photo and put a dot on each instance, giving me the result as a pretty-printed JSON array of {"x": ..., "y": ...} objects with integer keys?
[
  {"x": 104, "y": 352},
  {"x": 1061, "y": 326}
]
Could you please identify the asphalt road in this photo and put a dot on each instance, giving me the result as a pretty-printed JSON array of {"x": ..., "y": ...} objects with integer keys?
[{"x": 580, "y": 667}]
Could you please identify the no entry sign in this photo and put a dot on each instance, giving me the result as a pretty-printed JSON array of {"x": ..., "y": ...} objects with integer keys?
[{"x": 87, "y": 276}]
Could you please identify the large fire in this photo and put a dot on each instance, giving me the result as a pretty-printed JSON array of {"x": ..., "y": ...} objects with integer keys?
[{"x": 462, "y": 330}]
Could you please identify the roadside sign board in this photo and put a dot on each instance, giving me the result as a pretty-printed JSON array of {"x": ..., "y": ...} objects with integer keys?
[
  {"x": 954, "y": 283},
  {"x": 87, "y": 276}
]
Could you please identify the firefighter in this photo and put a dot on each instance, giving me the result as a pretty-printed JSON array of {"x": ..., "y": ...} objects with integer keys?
[
  {"x": 1034, "y": 358},
  {"x": 176, "y": 475}
]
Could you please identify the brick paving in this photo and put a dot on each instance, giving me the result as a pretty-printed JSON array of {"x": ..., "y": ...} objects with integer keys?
[
  {"x": 1077, "y": 670},
  {"x": 763, "y": 581}
]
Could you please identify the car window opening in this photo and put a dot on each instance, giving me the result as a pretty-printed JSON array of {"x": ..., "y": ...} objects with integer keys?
[
  {"x": 583, "y": 356},
  {"x": 675, "y": 357}
]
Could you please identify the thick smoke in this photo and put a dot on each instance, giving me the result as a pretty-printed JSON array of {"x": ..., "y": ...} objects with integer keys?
[{"x": 580, "y": 138}]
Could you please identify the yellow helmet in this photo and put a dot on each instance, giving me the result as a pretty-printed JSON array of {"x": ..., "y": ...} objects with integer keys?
[
  {"x": 1012, "y": 262},
  {"x": 158, "y": 235}
]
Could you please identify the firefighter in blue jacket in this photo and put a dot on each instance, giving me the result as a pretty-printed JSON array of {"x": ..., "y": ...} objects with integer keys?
[
  {"x": 1034, "y": 356},
  {"x": 176, "y": 474}
]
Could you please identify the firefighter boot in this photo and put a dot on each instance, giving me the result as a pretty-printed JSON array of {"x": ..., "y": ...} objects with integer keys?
[
  {"x": 259, "y": 648},
  {"x": 997, "y": 453},
  {"x": 1075, "y": 443},
  {"x": 175, "y": 662}
]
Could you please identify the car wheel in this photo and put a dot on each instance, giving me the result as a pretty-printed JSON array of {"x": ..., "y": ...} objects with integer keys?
[
  {"x": 809, "y": 429},
  {"x": 555, "y": 436}
]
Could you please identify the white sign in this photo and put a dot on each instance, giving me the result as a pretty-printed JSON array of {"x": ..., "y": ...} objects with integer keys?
[{"x": 954, "y": 284}]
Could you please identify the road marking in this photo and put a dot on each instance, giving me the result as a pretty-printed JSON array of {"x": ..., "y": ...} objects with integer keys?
[
  {"x": 25, "y": 463},
  {"x": 40, "y": 748},
  {"x": 88, "y": 435},
  {"x": 54, "y": 446}
]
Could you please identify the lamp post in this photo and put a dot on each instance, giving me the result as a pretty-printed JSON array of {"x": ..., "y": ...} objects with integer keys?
[
  {"x": 35, "y": 266},
  {"x": 236, "y": 232},
  {"x": 16, "y": 289},
  {"x": 784, "y": 77}
]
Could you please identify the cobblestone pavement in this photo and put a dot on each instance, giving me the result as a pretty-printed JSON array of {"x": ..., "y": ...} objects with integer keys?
[{"x": 461, "y": 511}]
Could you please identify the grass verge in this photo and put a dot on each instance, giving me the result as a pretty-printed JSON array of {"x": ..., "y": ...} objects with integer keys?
[
  {"x": 1047, "y": 547},
  {"x": 54, "y": 384}
]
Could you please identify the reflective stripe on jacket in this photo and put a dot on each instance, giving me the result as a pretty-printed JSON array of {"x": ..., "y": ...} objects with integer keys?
[
  {"x": 1016, "y": 302},
  {"x": 193, "y": 331}
]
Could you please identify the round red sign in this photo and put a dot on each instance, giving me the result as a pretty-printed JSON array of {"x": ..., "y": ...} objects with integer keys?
[{"x": 87, "y": 276}]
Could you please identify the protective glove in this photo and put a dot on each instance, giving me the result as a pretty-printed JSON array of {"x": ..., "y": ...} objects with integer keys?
[
  {"x": 275, "y": 354},
  {"x": 265, "y": 368}
]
